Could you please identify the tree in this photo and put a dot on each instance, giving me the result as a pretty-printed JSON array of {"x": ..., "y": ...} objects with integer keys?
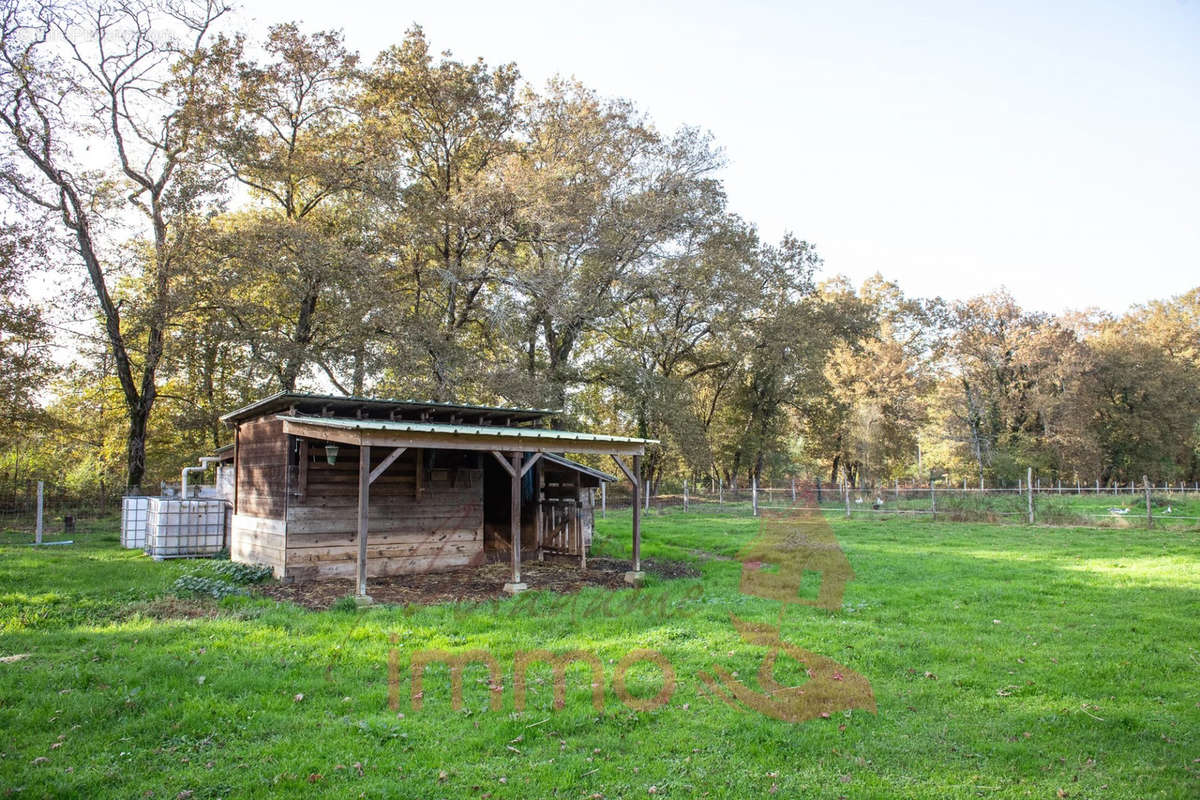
[
  {"x": 440, "y": 221},
  {"x": 146, "y": 81},
  {"x": 868, "y": 420},
  {"x": 295, "y": 140},
  {"x": 25, "y": 340}
]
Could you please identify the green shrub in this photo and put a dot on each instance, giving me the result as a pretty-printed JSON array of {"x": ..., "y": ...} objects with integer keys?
[
  {"x": 210, "y": 587},
  {"x": 235, "y": 572}
]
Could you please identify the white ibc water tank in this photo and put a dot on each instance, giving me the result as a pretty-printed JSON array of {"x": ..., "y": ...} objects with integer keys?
[
  {"x": 184, "y": 528},
  {"x": 134, "y": 515}
]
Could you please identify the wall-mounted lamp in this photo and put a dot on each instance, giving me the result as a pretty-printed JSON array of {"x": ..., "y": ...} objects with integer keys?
[{"x": 331, "y": 451}]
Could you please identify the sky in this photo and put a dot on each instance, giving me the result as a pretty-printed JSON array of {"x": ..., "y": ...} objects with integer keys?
[{"x": 1051, "y": 148}]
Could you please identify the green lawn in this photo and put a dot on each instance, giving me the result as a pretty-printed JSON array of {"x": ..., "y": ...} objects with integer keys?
[{"x": 1005, "y": 661}]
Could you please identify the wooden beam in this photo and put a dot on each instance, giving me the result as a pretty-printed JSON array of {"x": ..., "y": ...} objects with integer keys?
[
  {"x": 451, "y": 441},
  {"x": 237, "y": 465},
  {"x": 503, "y": 459},
  {"x": 387, "y": 462},
  {"x": 539, "y": 522},
  {"x": 637, "y": 513},
  {"x": 536, "y": 457},
  {"x": 579, "y": 521},
  {"x": 364, "y": 499},
  {"x": 515, "y": 522}
]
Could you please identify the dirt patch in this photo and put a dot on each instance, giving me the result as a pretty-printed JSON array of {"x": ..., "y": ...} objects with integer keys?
[
  {"x": 171, "y": 607},
  {"x": 557, "y": 574}
]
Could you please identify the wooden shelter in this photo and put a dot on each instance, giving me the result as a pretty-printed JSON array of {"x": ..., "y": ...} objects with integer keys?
[{"x": 345, "y": 486}]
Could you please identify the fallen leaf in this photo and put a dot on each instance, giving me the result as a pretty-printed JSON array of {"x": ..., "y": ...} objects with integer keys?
[{"x": 298, "y": 698}]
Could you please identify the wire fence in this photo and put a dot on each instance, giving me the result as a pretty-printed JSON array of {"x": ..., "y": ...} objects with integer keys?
[
  {"x": 1167, "y": 506},
  {"x": 62, "y": 507}
]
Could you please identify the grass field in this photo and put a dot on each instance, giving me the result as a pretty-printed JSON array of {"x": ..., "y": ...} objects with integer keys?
[{"x": 1006, "y": 661}]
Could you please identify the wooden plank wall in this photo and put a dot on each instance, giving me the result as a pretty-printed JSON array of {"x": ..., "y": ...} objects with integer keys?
[
  {"x": 430, "y": 525},
  {"x": 257, "y": 529}
]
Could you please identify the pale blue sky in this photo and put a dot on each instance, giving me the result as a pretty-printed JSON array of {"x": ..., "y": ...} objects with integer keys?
[{"x": 955, "y": 146}]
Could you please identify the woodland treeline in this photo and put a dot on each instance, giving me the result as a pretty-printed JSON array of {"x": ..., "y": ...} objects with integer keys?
[{"x": 193, "y": 219}]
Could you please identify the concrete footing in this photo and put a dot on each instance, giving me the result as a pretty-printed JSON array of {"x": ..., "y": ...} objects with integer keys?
[
  {"x": 363, "y": 600},
  {"x": 635, "y": 578},
  {"x": 515, "y": 588}
]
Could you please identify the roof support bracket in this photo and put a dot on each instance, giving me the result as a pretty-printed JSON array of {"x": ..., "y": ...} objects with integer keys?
[
  {"x": 387, "y": 462},
  {"x": 628, "y": 472},
  {"x": 504, "y": 463},
  {"x": 529, "y": 464}
]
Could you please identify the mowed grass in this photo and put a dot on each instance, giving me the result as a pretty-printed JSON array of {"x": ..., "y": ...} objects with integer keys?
[{"x": 1006, "y": 661}]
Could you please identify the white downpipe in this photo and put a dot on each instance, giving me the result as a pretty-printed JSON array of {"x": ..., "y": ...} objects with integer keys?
[{"x": 204, "y": 462}]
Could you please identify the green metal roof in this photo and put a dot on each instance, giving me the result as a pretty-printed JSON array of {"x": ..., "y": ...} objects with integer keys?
[
  {"x": 575, "y": 465},
  {"x": 284, "y": 400},
  {"x": 407, "y": 426}
]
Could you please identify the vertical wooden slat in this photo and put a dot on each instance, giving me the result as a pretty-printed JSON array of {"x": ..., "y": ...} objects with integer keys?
[
  {"x": 420, "y": 469},
  {"x": 364, "y": 498},
  {"x": 302, "y": 472}
]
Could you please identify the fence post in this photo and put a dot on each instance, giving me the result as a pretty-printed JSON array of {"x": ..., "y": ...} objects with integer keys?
[
  {"x": 818, "y": 494},
  {"x": 932, "y": 498},
  {"x": 40, "y": 520},
  {"x": 1149, "y": 515},
  {"x": 754, "y": 494},
  {"x": 720, "y": 491},
  {"x": 603, "y": 500},
  {"x": 896, "y": 488},
  {"x": 793, "y": 490},
  {"x": 685, "y": 495},
  {"x": 1029, "y": 484},
  {"x": 846, "y": 496}
]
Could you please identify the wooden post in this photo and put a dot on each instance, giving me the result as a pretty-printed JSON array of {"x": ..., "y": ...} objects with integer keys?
[
  {"x": 846, "y": 495},
  {"x": 603, "y": 500},
  {"x": 720, "y": 491},
  {"x": 514, "y": 526},
  {"x": 896, "y": 488},
  {"x": 685, "y": 495},
  {"x": 637, "y": 520},
  {"x": 579, "y": 520},
  {"x": 793, "y": 490},
  {"x": 40, "y": 513},
  {"x": 539, "y": 523},
  {"x": 1029, "y": 485},
  {"x": 933, "y": 498},
  {"x": 364, "y": 499},
  {"x": 754, "y": 494},
  {"x": 1149, "y": 515}
]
